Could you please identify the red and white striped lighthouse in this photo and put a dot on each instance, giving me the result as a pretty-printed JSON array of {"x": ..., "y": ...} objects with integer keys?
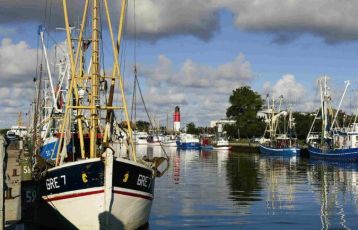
[{"x": 176, "y": 119}]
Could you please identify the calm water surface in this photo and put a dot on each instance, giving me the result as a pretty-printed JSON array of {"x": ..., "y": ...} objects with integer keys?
[{"x": 231, "y": 190}]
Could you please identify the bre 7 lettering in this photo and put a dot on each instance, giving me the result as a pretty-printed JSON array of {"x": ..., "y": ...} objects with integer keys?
[
  {"x": 143, "y": 181},
  {"x": 55, "y": 182}
]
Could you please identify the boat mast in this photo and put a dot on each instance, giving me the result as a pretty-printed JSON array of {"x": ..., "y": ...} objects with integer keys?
[
  {"x": 340, "y": 103},
  {"x": 94, "y": 78},
  {"x": 323, "y": 106}
]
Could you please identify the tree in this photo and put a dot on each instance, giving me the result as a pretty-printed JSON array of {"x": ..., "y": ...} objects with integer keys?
[
  {"x": 190, "y": 128},
  {"x": 142, "y": 126},
  {"x": 303, "y": 124},
  {"x": 245, "y": 103}
]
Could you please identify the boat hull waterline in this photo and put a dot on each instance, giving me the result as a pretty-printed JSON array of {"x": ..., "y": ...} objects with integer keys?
[
  {"x": 334, "y": 155},
  {"x": 280, "y": 151}
]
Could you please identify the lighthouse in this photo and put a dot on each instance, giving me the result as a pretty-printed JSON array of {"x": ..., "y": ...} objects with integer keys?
[{"x": 176, "y": 119}]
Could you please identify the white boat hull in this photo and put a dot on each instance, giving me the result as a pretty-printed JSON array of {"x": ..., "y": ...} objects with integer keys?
[
  {"x": 221, "y": 147},
  {"x": 121, "y": 200}
]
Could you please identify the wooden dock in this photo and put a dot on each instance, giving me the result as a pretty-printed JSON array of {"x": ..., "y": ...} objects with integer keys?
[
  {"x": 12, "y": 184},
  {"x": 246, "y": 147}
]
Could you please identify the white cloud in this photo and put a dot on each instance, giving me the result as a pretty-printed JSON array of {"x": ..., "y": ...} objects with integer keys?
[
  {"x": 201, "y": 90},
  {"x": 292, "y": 91},
  {"x": 17, "y": 69},
  {"x": 307, "y": 99},
  {"x": 17, "y": 61}
]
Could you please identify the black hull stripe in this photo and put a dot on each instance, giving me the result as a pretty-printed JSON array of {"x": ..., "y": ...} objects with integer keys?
[{"x": 133, "y": 194}]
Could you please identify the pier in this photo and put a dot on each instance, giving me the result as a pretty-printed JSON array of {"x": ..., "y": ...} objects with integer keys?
[{"x": 12, "y": 182}]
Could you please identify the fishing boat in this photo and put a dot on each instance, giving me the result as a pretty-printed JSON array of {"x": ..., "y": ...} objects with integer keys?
[
  {"x": 154, "y": 139},
  {"x": 274, "y": 142},
  {"x": 141, "y": 138},
  {"x": 188, "y": 141},
  {"x": 17, "y": 131},
  {"x": 206, "y": 141},
  {"x": 327, "y": 139},
  {"x": 83, "y": 179},
  {"x": 221, "y": 141},
  {"x": 169, "y": 141}
]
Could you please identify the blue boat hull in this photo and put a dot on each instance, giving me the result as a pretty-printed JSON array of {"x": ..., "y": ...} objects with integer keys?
[
  {"x": 280, "y": 151},
  {"x": 49, "y": 150},
  {"x": 334, "y": 155},
  {"x": 188, "y": 145},
  {"x": 207, "y": 147}
]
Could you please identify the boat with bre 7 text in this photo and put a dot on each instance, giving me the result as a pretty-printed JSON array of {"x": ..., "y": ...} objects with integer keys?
[{"x": 82, "y": 178}]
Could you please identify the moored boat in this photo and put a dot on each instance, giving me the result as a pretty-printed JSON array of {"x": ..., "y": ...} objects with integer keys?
[
  {"x": 169, "y": 141},
  {"x": 330, "y": 140},
  {"x": 188, "y": 141},
  {"x": 273, "y": 142},
  {"x": 140, "y": 138},
  {"x": 206, "y": 141},
  {"x": 221, "y": 141},
  {"x": 78, "y": 172}
]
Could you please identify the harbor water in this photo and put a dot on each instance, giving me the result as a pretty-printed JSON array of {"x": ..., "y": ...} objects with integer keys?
[{"x": 235, "y": 190}]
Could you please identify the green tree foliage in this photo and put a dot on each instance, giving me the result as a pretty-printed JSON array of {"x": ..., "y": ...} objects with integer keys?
[
  {"x": 142, "y": 126},
  {"x": 191, "y": 128},
  {"x": 245, "y": 103},
  {"x": 303, "y": 123}
]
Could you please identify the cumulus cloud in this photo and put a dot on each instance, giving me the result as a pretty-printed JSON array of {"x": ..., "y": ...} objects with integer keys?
[
  {"x": 335, "y": 21},
  {"x": 307, "y": 99},
  {"x": 17, "y": 69},
  {"x": 292, "y": 91},
  {"x": 18, "y": 63},
  {"x": 201, "y": 90}
]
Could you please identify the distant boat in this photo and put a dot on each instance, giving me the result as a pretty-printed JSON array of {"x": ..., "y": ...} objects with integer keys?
[
  {"x": 153, "y": 140},
  {"x": 140, "y": 138},
  {"x": 332, "y": 141},
  {"x": 169, "y": 141},
  {"x": 276, "y": 143},
  {"x": 206, "y": 141},
  {"x": 188, "y": 141},
  {"x": 221, "y": 141},
  {"x": 17, "y": 131}
]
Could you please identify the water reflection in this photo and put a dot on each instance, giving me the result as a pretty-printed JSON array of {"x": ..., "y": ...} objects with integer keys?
[
  {"x": 243, "y": 178},
  {"x": 225, "y": 189},
  {"x": 335, "y": 186}
]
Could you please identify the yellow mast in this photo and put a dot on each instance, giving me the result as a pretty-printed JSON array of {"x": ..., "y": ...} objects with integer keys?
[
  {"x": 19, "y": 119},
  {"x": 77, "y": 80},
  {"x": 95, "y": 79}
]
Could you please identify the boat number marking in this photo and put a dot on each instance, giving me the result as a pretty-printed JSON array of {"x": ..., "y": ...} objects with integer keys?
[
  {"x": 126, "y": 176},
  {"x": 143, "y": 181},
  {"x": 30, "y": 196},
  {"x": 84, "y": 178},
  {"x": 54, "y": 182}
]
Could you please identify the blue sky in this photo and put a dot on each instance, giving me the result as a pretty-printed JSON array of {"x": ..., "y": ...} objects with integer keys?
[{"x": 196, "y": 55}]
